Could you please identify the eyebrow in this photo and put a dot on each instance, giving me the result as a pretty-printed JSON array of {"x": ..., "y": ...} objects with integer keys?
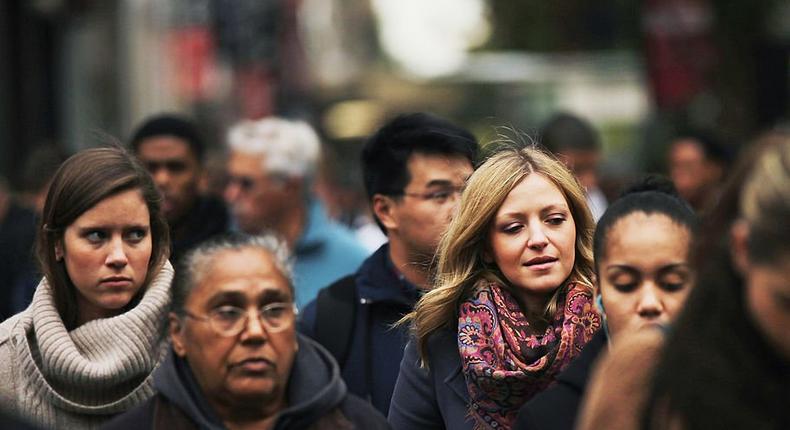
[
  {"x": 269, "y": 295},
  {"x": 439, "y": 183},
  {"x": 662, "y": 270},
  {"x": 91, "y": 227},
  {"x": 555, "y": 208}
]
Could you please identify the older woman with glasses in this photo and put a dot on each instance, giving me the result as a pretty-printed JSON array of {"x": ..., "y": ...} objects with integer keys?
[{"x": 236, "y": 359}]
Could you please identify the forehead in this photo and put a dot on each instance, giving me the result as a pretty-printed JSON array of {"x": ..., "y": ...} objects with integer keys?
[
  {"x": 126, "y": 207},
  {"x": 249, "y": 271},
  {"x": 534, "y": 193},
  {"x": 424, "y": 168},
  {"x": 687, "y": 148},
  {"x": 160, "y": 147},
  {"x": 647, "y": 240},
  {"x": 242, "y": 163}
]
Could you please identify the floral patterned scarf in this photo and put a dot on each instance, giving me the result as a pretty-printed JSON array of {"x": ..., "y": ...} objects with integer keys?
[{"x": 503, "y": 365}]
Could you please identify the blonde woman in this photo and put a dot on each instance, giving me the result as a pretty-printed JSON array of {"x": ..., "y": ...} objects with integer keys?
[{"x": 513, "y": 302}]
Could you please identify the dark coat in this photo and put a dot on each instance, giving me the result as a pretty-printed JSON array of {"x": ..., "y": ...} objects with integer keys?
[
  {"x": 433, "y": 398},
  {"x": 207, "y": 218},
  {"x": 317, "y": 399},
  {"x": 558, "y": 406},
  {"x": 383, "y": 297}
]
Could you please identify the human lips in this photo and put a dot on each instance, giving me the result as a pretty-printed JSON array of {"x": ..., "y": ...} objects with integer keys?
[
  {"x": 254, "y": 365},
  {"x": 541, "y": 263},
  {"x": 116, "y": 281}
]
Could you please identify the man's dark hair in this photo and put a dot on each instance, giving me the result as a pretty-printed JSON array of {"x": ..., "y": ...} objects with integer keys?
[
  {"x": 168, "y": 124},
  {"x": 386, "y": 154},
  {"x": 565, "y": 131},
  {"x": 711, "y": 145}
]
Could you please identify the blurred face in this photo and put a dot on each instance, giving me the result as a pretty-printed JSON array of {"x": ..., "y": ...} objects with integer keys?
[
  {"x": 645, "y": 277},
  {"x": 106, "y": 251},
  {"x": 257, "y": 201},
  {"x": 532, "y": 239},
  {"x": 421, "y": 215},
  {"x": 691, "y": 172},
  {"x": 176, "y": 172},
  {"x": 768, "y": 302},
  {"x": 253, "y": 365},
  {"x": 584, "y": 165}
]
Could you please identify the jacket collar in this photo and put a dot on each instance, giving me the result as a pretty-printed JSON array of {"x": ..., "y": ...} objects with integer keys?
[{"x": 379, "y": 281}]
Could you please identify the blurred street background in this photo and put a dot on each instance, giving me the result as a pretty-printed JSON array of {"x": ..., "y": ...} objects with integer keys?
[{"x": 75, "y": 72}]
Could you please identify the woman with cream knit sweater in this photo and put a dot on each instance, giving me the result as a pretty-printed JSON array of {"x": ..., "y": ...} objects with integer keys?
[{"x": 85, "y": 348}]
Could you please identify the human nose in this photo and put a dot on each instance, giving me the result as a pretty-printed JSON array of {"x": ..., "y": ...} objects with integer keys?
[
  {"x": 116, "y": 257},
  {"x": 161, "y": 177},
  {"x": 649, "y": 305},
  {"x": 231, "y": 192},
  {"x": 537, "y": 237},
  {"x": 254, "y": 330}
]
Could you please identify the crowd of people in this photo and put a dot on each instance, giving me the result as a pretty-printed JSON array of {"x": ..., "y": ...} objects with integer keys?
[{"x": 509, "y": 293}]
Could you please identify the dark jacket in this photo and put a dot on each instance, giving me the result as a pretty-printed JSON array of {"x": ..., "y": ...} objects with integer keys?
[
  {"x": 18, "y": 273},
  {"x": 317, "y": 399},
  {"x": 207, "y": 218},
  {"x": 432, "y": 398},
  {"x": 558, "y": 406},
  {"x": 376, "y": 348}
]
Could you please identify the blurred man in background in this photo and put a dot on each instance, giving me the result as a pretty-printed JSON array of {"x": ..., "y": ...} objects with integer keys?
[
  {"x": 271, "y": 165},
  {"x": 171, "y": 148},
  {"x": 697, "y": 165},
  {"x": 574, "y": 141}
]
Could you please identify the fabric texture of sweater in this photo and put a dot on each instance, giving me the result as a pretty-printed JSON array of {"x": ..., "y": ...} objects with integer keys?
[
  {"x": 80, "y": 378},
  {"x": 317, "y": 399}
]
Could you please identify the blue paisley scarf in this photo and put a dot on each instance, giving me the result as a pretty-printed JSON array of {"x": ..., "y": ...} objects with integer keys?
[{"x": 503, "y": 365}]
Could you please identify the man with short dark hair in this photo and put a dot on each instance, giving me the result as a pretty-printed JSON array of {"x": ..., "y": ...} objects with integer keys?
[
  {"x": 415, "y": 168},
  {"x": 171, "y": 148}
]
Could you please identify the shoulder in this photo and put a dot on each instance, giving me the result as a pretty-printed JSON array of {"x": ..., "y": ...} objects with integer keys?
[
  {"x": 9, "y": 328},
  {"x": 362, "y": 414},
  {"x": 139, "y": 417}
]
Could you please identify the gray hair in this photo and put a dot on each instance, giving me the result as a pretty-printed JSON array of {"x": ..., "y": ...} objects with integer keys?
[
  {"x": 196, "y": 264},
  {"x": 291, "y": 148}
]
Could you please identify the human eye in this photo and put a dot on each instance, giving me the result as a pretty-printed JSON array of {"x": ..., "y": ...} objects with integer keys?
[
  {"x": 95, "y": 236},
  {"x": 227, "y": 314},
  {"x": 136, "y": 235},
  {"x": 176, "y": 166},
  {"x": 556, "y": 219},
  {"x": 673, "y": 281},
  {"x": 624, "y": 282},
  {"x": 440, "y": 196},
  {"x": 511, "y": 228},
  {"x": 275, "y": 311}
]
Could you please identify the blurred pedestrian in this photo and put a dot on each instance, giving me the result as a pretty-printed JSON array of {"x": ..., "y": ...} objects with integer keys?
[
  {"x": 236, "y": 359},
  {"x": 698, "y": 164},
  {"x": 271, "y": 165},
  {"x": 574, "y": 141},
  {"x": 84, "y": 350},
  {"x": 513, "y": 301},
  {"x": 172, "y": 150}
]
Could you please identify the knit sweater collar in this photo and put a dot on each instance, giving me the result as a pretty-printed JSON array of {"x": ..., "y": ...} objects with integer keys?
[{"x": 103, "y": 366}]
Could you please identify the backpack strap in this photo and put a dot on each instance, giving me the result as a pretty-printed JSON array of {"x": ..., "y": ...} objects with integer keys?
[{"x": 335, "y": 313}]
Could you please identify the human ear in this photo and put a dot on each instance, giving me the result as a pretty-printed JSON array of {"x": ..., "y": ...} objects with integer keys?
[
  {"x": 383, "y": 209},
  {"x": 176, "y": 335},
  {"x": 739, "y": 239},
  {"x": 58, "y": 250}
]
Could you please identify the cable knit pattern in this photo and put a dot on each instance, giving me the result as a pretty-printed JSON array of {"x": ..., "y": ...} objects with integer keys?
[{"x": 81, "y": 378}]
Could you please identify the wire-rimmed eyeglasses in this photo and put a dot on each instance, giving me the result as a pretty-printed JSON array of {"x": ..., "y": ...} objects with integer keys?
[{"x": 228, "y": 321}]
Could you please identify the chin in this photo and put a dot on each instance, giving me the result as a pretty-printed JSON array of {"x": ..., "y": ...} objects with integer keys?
[{"x": 253, "y": 389}]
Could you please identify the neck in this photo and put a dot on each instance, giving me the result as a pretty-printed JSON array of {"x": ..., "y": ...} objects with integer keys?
[
  {"x": 292, "y": 224},
  {"x": 415, "y": 268},
  {"x": 87, "y": 311}
]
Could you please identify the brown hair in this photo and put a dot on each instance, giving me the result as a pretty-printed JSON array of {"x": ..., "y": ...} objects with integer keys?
[{"x": 81, "y": 182}]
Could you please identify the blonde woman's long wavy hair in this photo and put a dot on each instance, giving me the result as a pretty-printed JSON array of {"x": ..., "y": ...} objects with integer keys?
[{"x": 460, "y": 253}]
